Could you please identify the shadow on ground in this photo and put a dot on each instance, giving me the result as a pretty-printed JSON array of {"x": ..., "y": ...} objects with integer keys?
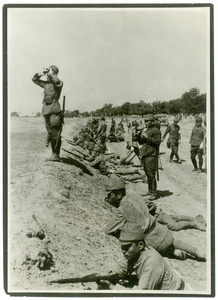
[
  {"x": 77, "y": 163},
  {"x": 162, "y": 194}
]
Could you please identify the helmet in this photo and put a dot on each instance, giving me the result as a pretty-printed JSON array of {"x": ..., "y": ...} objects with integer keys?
[
  {"x": 115, "y": 183},
  {"x": 149, "y": 117}
]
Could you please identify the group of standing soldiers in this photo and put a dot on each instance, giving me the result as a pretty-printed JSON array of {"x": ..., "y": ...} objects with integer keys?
[{"x": 150, "y": 137}]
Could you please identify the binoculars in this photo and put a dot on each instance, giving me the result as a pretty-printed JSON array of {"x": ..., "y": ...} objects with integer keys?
[{"x": 46, "y": 70}]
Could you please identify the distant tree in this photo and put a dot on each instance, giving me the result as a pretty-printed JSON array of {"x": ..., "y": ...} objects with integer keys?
[
  {"x": 174, "y": 107},
  {"x": 106, "y": 110},
  {"x": 38, "y": 114},
  {"x": 85, "y": 114},
  {"x": 188, "y": 101},
  {"x": 74, "y": 114},
  {"x": 14, "y": 114},
  {"x": 125, "y": 108}
]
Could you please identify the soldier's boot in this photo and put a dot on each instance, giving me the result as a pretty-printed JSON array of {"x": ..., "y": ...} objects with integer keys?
[
  {"x": 57, "y": 149},
  {"x": 194, "y": 162},
  {"x": 200, "y": 164},
  {"x": 149, "y": 192},
  {"x": 171, "y": 157},
  {"x": 200, "y": 255},
  {"x": 55, "y": 156},
  {"x": 196, "y": 225},
  {"x": 47, "y": 140},
  {"x": 178, "y": 158},
  {"x": 153, "y": 190}
]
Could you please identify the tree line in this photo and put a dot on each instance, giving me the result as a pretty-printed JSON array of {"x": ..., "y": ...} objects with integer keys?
[{"x": 190, "y": 103}]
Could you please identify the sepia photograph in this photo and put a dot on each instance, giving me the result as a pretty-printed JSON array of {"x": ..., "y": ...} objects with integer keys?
[{"x": 108, "y": 183}]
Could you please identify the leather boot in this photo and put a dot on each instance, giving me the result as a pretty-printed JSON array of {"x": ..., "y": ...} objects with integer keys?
[
  {"x": 57, "y": 146},
  {"x": 55, "y": 156},
  {"x": 153, "y": 189}
]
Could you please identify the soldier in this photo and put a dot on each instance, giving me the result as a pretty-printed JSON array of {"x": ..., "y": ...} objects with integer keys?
[
  {"x": 131, "y": 208},
  {"x": 175, "y": 222},
  {"x": 151, "y": 139},
  {"x": 152, "y": 271},
  {"x": 113, "y": 126},
  {"x": 205, "y": 144},
  {"x": 196, "y": 141},
  {"x": 174, "y": 139},
  {"x": 102, "y": 129},
  {"x": 51, "y": 109}
]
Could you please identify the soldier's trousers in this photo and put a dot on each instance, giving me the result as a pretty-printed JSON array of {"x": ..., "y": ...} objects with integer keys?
[
  {"x": 53, "y": 125},
  {"x": 176, "y": 222},
  {"x": 150, "y": 167},
  {"x": 174, "y": 151},
  {"x": 195, "y": 150}
]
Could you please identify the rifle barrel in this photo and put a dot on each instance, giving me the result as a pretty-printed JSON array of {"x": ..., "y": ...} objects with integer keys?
[{"x": 95, "y": 277}]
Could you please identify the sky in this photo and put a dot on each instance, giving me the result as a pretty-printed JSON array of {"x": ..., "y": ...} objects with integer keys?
[{"x": 107, "y": 55}]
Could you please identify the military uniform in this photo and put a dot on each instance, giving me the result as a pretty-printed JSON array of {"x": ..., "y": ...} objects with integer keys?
[
  {"x": 133, "y": 210},
  {"x": 173, "y": 140},
  {"x": 102, "y": 130},
  {"x": 149, "y": 154},
  {"x": 152, "y": 271},
  {"x": 51, "y": 109},
  {"x": 196, "y": 139}
]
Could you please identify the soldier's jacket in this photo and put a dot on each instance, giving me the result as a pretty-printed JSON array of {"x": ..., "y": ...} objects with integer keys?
[
  {"x": 151, "y": 143},
  {"x": 52, "y": 90},
  {"x": 152, "y": 270},
  {"x": 174, "y": 134},
  {"x": 133, "y": 209},
  {"x": 102, "y": 129},
  {"x": 197, "y": 135}
]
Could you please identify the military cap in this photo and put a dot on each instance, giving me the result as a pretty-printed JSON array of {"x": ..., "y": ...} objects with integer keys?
[
  {"x": 54, "y": 69},
  {"x": 130, "y": 233},
  {"x": 199, "y": 119},
  {"x": 175, "y": 119},
  {"x": 114, "y": 183},
  {"x": 149, "y": 117}
]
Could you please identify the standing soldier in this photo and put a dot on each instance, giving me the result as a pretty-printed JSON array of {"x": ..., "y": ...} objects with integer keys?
[
  {"x": 205, "y": 144},
  {"x": 113, "y": 126},
  {"x": 151, "y": 139},
  {"x": 174, "y": 139},
  {"x": 51, "y": 109},
  {"x": 102, "y": 130},
  {"x": 196, "y": 141}
]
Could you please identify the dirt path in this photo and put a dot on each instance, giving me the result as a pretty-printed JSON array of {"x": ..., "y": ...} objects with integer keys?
[{"x": 59, "y": 210}]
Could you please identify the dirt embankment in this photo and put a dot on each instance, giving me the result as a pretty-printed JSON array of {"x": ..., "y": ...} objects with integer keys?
[{"x": 57, "y": 213}]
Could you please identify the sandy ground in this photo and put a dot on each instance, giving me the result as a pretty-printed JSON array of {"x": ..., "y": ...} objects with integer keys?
[{"x": 59, "y": 209}]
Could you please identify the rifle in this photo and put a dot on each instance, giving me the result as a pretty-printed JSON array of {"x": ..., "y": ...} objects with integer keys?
[
  {"x": 62, "y": 115},
  {"x": 63, "y": 109},
  {"x": 95, "y": 277},
  {"x": 157, "y": 168}
]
